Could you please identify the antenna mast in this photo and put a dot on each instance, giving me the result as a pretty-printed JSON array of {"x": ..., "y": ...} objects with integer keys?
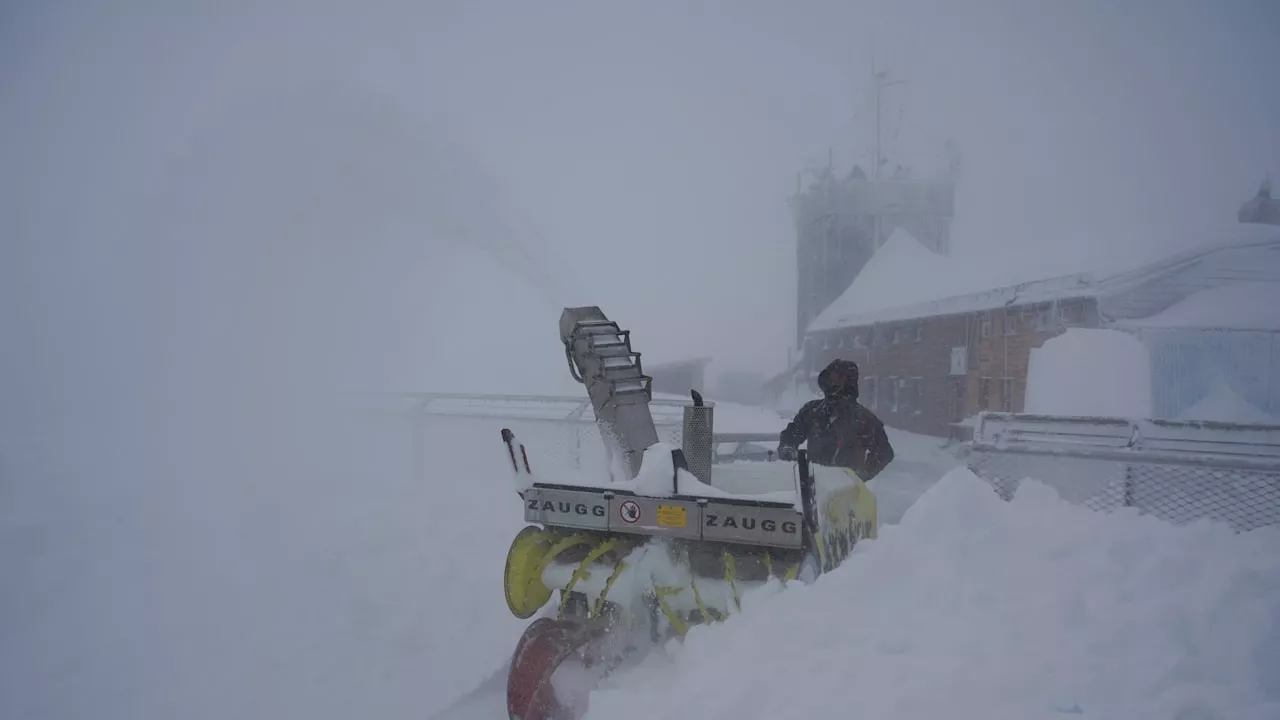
[{"x": 881, "y": 82}]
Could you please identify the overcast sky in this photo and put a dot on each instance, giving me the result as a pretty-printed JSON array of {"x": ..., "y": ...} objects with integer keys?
[{"x": 521, "y": 156}]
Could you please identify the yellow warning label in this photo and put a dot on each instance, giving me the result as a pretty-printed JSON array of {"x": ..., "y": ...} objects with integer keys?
[{"x": 672, "y": 516}]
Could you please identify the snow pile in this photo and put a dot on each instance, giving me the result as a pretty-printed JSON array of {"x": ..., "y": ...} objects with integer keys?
[
  {"x": 1238, "y": 306},
  {"x": 1222, "y": 404},
  {"x": 974, "y": 607},
  {"x": 1090, "y": 372}
]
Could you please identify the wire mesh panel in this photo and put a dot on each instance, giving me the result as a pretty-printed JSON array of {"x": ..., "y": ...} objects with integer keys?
[
  {"x": 697, "y": 440},
  {"x": 1098, "y": 484},
  {"x": 1246, "y": 499},
  {"x": 1178, "y": 472}
]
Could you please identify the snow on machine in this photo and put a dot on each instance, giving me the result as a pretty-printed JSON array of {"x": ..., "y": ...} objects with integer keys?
[{"x": 659, "y": 546}]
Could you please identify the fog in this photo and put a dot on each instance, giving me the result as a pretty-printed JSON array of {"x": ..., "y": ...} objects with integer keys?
[{"x": 219, "y": 226}]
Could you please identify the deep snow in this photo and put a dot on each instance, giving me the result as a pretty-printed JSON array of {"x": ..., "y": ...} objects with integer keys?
[
  {"x": 973, "y": 607},
  {"x": 379, "y": 594},
  {"x": 969, "y": 607}
]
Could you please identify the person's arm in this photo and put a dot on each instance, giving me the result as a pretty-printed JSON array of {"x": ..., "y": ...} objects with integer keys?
[
  {"x": 796, "y": 431},
  {"x": 879, "y": 451}
]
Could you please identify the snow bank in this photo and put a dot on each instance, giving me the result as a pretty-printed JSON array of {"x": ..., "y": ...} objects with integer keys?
[
  {"x": 974, "y": 607},
  {"x": 1090, "y": 372}
]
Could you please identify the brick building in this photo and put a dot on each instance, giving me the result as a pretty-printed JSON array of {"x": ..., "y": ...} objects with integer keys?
[{"x": 928, "y": 366}]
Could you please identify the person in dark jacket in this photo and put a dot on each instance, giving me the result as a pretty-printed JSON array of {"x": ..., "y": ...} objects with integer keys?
[{"x": 840, "y": 431}]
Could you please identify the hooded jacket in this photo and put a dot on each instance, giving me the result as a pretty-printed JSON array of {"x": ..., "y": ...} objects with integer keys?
[{"x": 839, "y": 430}]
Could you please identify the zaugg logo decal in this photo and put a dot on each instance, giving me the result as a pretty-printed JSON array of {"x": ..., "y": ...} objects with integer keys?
[
  {"x": 566, "y": 508},
  {"x": 711, "y": 520}
]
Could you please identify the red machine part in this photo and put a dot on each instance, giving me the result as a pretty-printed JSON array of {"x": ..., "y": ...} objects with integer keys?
[{"x": 546, "y": 646}]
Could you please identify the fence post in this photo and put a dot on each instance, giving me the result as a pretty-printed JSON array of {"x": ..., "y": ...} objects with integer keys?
[
  {"x": 577, "y": 447},
  {"x": 419, "y": 440},
  {"x": 1127, "y": 497}
]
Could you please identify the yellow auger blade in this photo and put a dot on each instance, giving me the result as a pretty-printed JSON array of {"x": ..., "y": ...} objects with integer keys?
[
  {"x": 582, "y": 572},
  {"x": 522, "y": 577}
]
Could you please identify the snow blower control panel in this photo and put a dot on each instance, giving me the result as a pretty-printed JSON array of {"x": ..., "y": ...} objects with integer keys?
[{"x": 745, "y": 522}]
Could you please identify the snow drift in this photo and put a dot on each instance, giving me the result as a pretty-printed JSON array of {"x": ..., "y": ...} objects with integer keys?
[
  {"x": 1090, "y": 372},
  {"x": 973, "y": 607},
  {"x": 1222, "y": 404}
]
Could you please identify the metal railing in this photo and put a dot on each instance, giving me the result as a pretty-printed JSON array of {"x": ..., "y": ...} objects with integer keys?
[
  {"x": 567, "y": 424},
  {"x": 548, "y": 408},
  {"x": 1177, "y": 471}
]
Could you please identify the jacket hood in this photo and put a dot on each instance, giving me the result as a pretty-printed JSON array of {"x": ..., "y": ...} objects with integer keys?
[{"x": 839, "y": 377}]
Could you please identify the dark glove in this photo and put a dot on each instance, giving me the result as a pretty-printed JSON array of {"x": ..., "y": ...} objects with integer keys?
[{"x": 786, "y": 453}]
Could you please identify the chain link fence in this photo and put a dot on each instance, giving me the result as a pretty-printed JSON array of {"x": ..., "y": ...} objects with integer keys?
[{"x": 1178, "y": 472}]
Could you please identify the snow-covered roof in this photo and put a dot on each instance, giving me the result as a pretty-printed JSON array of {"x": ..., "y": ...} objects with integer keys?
[
  {"x": 1239, "y": 237},
  {"x": 880, "y": 283},
  {"x": 938, "y": 285},
  {"x": 1239, "y": 306},
  {"x": 941, "y": 285}
]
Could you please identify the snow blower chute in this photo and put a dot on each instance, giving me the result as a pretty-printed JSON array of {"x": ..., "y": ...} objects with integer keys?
[{"x": 640, "y": 557}]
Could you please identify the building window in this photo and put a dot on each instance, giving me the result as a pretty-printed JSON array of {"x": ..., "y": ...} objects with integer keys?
[
  {"x": 893, "y": 394},
  {"x": 917, "y": 384},
  {"x": 897, "y": 335},
  {"x": 869, "y": 392},
  {"x": 984, "y": 393},
  {"x": 1006, "y": 394},
  {"x": 1066, "y": 314},
  {"x": 1047, "y": 317},
  {"x": 985, "y": 326},
  {"x": 955, "y": 398},
  {"x": 1010, "y": 324},
  {"x": 905, "y": 396}
]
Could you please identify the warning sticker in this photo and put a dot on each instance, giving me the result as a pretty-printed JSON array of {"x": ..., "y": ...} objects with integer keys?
[
  {"x": 672, "y": 516},
  {"x": 629, "y": 511}
]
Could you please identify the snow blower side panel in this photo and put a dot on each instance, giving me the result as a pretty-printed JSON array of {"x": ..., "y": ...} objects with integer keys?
[{"x": 846, "y": 510}]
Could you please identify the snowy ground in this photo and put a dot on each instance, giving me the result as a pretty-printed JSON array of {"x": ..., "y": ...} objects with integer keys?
[
  {"x": 966, "y": 606},
  {"x": 919, "y": 461},
  {"x": 374, "y": 590}
]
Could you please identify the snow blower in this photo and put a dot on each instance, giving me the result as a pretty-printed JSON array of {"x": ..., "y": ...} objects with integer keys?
[{"x": 641, "y": 557}]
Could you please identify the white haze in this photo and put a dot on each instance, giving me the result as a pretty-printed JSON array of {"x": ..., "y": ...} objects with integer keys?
[{"x": 218, "y": 227}]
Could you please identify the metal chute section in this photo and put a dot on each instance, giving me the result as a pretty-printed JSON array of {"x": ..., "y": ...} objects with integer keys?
[{"x": 600, "y": 356}]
